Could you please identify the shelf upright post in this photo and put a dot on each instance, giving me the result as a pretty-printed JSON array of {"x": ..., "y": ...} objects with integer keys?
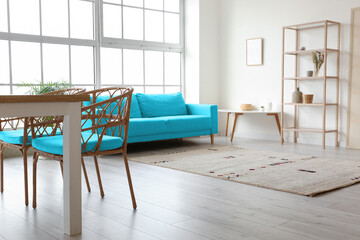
[
  {"x": 325, "y": 79},
  {"x": 337, "y": 88},
  {"x": 296, "y": 81},
  {"x": 282, "y": 88}
]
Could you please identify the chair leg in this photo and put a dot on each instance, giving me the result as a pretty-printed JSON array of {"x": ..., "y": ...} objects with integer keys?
[
  {"x": 26, "y": 177},
  {"x": 98, "y": 176},
  {"x": 85, "y": 174},
  {"x": 35, "y": 160},
  {"x": 2, "y": 168},
  {"x": 62, "y": 169},
  {"x": 129, "y": 180}
]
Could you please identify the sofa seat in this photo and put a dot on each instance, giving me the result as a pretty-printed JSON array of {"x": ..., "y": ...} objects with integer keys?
[
  {"x": 146, "y": 126},
  {"x": 54, "y": 144},
  {"x": 185, "y": 123}
]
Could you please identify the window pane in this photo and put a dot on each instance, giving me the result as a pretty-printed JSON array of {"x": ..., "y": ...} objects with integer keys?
[
  {"x": 20, "y": 90},
  {"x": 172, "y": 68},
  {"x": 111, "y": 66},
  {"x": 55, "y": 62},
  {"x": 135, "y": 3},
  {"x": 82, "y": 65},
  {"x": 153, "y": 68},
  {"x": 138, "y": 89},
  {"x": 4, "y": 62},
  {"x": 154, "y": 90},
  {"x": 81, "y": 19},
  {"x": 88, "y": 88},
  {"x": 154, "y": 26},
  {"x": 112, "y": 21},
  {"x": 133, "y": 66},
  {"x": 113, "y": 1},
  {"x": 24, "y": 17},
  {"x": 54, "y": 18},
  {"x": 172, "y": 28},
  {"x": 172, "y": 89},
  {"x": 4, "y": 90},
  {"x": 172, "y": 5},
  {"x": 154, "y": 4},
  {"x": 133, "y": 23},
  {"x": 26, "y": 66},
  {"x": 3, "y": 16}
]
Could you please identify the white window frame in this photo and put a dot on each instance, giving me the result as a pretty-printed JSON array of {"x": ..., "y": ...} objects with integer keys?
[{"x": 97, "y": 42}]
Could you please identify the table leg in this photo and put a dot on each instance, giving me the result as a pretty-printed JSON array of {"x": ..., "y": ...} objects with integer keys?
[
  {"x": 235, "y": 119},
  {"x": 72, "y": 169},
  {"x": 277, "y": 121},
  {"x": 227, "y": 123}
]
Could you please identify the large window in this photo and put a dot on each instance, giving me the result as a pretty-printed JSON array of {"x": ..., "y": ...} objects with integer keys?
[{"x": 92, "y": 44}]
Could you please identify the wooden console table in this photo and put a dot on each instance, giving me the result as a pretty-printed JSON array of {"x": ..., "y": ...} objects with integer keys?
[
  {"x": 70, "y": 107},
  {"x": 239, "y": 112}
]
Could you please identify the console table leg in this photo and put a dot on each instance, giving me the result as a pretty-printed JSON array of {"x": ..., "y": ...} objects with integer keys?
[
  {"x": 227, "y": 123},
  {"x": 233, "y": 130}
]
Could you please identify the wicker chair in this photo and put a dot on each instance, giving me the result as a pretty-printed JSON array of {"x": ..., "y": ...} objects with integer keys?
[
  {"x": 105, "y": 121},
  {"x": 18, "y": 139}
]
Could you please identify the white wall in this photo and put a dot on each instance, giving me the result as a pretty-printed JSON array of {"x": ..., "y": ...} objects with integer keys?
[
  {"x": 243, "y": 19},
  {"x": 202, "y": 51}
]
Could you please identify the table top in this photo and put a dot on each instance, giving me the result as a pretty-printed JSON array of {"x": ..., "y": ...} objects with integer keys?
[
  {"x": 43, "y": 98},
  {"x": 240, "y": 111}
]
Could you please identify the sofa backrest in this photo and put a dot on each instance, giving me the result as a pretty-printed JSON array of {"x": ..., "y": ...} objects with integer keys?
[{"x": 158, "y": 105}]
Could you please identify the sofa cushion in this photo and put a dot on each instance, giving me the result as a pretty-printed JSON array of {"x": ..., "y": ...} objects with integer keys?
[
  {"x": 186, "y": 123},
  {"x": 54, "y": 144},
  {"x": 158, "y": 105}
]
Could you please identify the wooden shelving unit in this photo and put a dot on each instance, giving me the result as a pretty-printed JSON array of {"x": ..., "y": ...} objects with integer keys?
[{"x": 297, "y": 54}]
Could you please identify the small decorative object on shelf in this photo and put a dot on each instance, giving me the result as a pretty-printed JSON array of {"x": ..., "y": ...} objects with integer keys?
[
  {"x": 309, "y": 73},
  {"x": 302, "y": 48},
  {"x": 318, "y": 60},
  {"x": 246, "y": 107},
  {"x": 262, "y": 108},
  {"x": 269, "y": 107},
  {"x": 308, "y": 98},
  {"x": 297, "y": 96}
]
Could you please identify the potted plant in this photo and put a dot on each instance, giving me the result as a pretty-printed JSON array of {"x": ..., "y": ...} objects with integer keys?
[
  {"x": 262, "y": 108},
  {"x": 41, "y": 88}
]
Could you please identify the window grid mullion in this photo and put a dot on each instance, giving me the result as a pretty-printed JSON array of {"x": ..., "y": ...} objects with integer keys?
[
  {"x": 69, "y": 46},
  {"x": 41, "y": 45},
  {"x": 9, "y": 49}
]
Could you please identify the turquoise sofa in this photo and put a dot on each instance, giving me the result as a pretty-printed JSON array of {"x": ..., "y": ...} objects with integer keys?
[{"x": 166, "y": 116}]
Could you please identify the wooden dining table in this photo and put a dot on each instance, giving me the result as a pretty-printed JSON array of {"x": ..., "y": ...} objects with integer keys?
[{"x": 70, "y": 107}]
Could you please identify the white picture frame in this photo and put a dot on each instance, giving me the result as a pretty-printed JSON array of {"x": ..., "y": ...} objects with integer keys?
[{"x": 254, "y": 52}]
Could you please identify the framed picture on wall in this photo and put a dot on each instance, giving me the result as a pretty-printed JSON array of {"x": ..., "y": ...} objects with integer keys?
[{"x": 254, "y": 52}]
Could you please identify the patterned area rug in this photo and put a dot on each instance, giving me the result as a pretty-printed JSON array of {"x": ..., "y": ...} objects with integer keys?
[{"x": 303, "y": 175}]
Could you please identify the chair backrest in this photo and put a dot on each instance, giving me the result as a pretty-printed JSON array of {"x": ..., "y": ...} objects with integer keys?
[
  {"x": 109, "y": 109},
  {"x": 49, "y": 125}
]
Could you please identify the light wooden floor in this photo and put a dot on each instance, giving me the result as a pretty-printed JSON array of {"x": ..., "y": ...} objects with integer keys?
[{"x": 174, "y": 205}]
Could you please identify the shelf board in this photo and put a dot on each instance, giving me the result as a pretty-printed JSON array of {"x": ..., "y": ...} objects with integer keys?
[
  {"x": 311, "y": 78},
  {"x": 310, "y": 25},
  {"x": 308, "y": 52},
  {"x": 310, "y": 104},
  {"x": 313, "y": 130}
]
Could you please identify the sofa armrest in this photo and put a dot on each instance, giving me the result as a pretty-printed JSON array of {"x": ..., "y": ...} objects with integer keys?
[{"x": 206, "y": 110}]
